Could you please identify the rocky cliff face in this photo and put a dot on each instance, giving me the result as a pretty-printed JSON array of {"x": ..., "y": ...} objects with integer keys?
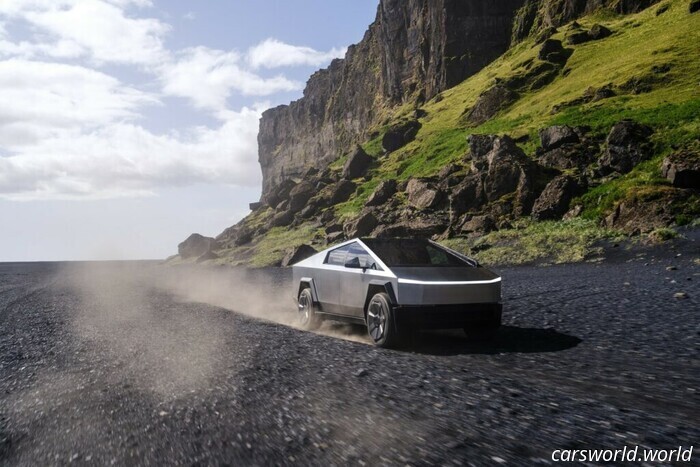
[{"x": 413, "y": 50}]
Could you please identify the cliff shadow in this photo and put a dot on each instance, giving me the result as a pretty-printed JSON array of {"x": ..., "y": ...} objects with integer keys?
[{"x": 510, "y": 339}]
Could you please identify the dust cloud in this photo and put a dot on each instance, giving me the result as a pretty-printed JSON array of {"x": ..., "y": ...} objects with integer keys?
[{"x": 136, "y": 313}]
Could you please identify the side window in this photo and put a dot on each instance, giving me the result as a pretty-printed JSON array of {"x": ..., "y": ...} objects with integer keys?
[
  {"x": 337, "y": 257},
  {"x": 360, "y": 256},
  {"x": 438, "y": 257}
]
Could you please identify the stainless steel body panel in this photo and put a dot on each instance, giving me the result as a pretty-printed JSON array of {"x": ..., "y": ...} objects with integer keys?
[{"x": 343, "y": 290}]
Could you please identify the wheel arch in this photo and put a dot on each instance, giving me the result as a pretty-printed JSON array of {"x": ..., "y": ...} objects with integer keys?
[
  {"x": 379, "y": 286},
  {"x": 308, "y": 283}
]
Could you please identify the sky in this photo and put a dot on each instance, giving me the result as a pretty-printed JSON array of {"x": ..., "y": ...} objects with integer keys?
[{"x": 126, "y": 125}]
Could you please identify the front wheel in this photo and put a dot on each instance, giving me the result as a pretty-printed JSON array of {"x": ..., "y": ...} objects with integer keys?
[
  {"x": 307, "y": 316},
  {"x": 380, "y": 322}
]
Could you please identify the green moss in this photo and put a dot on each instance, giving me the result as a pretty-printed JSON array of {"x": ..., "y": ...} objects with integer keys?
[
  {"x": 542, "y": 242},
  {"x": 270, "y": 250}
]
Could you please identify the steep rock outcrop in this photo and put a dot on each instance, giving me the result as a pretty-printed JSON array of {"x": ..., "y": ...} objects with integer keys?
[{"x": 413, "y": 50}]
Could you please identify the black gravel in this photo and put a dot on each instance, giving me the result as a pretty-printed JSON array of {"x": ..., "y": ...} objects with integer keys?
[{"x": 122, "y": 371}]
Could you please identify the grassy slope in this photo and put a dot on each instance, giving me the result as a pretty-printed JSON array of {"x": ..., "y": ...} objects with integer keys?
[{"x": 639, "y": 42}]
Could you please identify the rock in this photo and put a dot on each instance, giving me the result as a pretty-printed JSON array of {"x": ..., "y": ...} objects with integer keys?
[
  {"x": 382, "y": 193},
  {"x": 573, "y": 212},
  {"x": 334, "y": 228},
  {"x": 448, "y": 170},
  {"x": 423, "y": 194},
  {"x": 556, "y": 136},
  {"x": 209, "y": 255},
  {"x": 361, "y": 226},
  {"x": 480, "y": 145},
  {"x": 255, "y": 206},
  {"x": 578, "y": 37},
  {"x": 598, "y": 32},
  {"x": 554, "y": 201},
  {"x": 357, "y": 164},
  {"x": 424, "y": 227},
  {"x": 196, "y": 245},
  {"x": 466, "y": 196},
  {"x": 335, "y": 237},
  {"x": 398, "y": 136},
  {"x": 309, "y": 211},
  {"x": 342, "y": 191},
  {"x": 297, "y": 254},
  {"x": 647, "y": 211},
  {"x": 243, "y": 235},
  {"x": 300, "y": 195},
  {"x": 282, "y": 218},
  {"x": 478, "y": 225},
  {"x": 605, "y": 92},
  {"x": 568, "y": 156},
  {"x": 694, "y": 6},
  {"x": 553, "y": 51},
  {"x": 682, "y": 169},
  {"x": 680, "y": 296},
  {"x": 360, "y": 373},
  {"x": 489, "y": 104},
  {"x": 279, "y": 193},
  {"x": 627, "y": 145}
]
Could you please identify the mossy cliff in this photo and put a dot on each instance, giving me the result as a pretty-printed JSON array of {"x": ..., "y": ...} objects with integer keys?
[{"x": 571, "y": 120}]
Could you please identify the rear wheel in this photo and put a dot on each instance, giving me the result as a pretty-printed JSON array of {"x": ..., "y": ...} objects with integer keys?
[
  {"x": 380, "y": 322},
  {"x": 308, "y": 318}
]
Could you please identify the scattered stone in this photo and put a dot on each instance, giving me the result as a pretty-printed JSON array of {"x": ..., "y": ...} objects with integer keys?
[
  {"x": 342, "y": 191},
  {"x": 627, "y": 145},
  {"x": 556, "y": 136},
  {"x": 400, "y": 135},
  {"x": 196, "y": 245},
  {"x": 361, "y": 226},
  {"x": 382, "y": 193},
  {"x": 297, "y": 254},
  {"x": 598, "y": 32},
  {"x": 479, "y": 225},
  {"x": 578, "y": 37},
  {"x": 423, "y": 194},
  {"x": 681, "y": 296},
  {"x": 282, "y": 218},
  {"x": 671, "y": 268},
  {"x": 554, "y": 201},
  {"x": 300, "y": 195},
  {"x": 489, "y": 104},
  {"x": 357, "y": 164},
  {"x": 553, "y": 51},
  {"x": 361, "y": 373},
  {"x": 573, "y": 212},
  {"x": 682, "y": 169}
]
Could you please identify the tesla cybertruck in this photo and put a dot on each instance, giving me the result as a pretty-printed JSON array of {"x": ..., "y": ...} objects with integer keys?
[{"x": 396, "y": 285}]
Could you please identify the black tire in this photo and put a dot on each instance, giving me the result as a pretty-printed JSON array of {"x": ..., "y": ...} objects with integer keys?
[
  {"x": 308, "y": 318},
  {"x": 380, "y": 322}
]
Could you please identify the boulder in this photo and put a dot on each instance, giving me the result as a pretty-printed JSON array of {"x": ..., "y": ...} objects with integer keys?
[
  {"x": 627, "y": 145},
  {"x": 553, "y": 51},
  {"x": 335, "y": 237},
  {"x": 569, "y": 156},
  {"x": 423, "y": 194},
  {"x": 554, "y": 201},
  {"x": 255, "y": 206},
  {"x": 196, "y": 245},
  {"x": 296, "y": 254},
  {"x": 333, "y": 228},
  {"x": 647, "y": 211},
  {"x": 342, "y": 191},
  {"x": 448, "y": 170},
  {"x": 598, "y": 32},
  {"x": 489, "y": 104},
  {"x": 400, "y": 135},
  {"x": 694, "y": 6},
  {"x": 243, "y": 235},
  {"x": 577, "y": 37},
  {"x": 480, "y": 145},
  {"x": 466, "y": 196},
  {"x": 556, "y": 136},
  {"x": 280, "y": 193},
  {"x": 357, "y": 164},
  {"x": 480, "y": 224},
  {"x": 362, "y": 226},
  {"x": 682, "y": 169},
  {"x": 382, "y": 193},
  {"x": 282, "y": 218},
  {"x": 300, "y": 195},
  {"x": 423, "y": 227}
]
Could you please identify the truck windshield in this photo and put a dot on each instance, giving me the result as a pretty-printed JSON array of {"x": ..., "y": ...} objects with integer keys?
[{"x": 412, "y": 253}]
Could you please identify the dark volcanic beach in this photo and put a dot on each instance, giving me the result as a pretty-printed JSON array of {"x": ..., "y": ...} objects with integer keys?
[{"x": 137, "y": 363}]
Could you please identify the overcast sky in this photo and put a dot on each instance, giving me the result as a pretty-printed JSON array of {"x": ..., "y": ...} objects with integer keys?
[{"x": 126, "y": 125}]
